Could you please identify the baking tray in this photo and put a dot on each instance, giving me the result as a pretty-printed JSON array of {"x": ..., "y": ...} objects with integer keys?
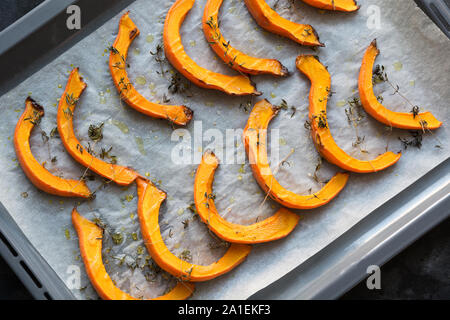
[{"x": 326, "y": 275}]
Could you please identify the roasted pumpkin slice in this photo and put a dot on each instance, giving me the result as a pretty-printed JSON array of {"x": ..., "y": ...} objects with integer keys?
[
  {"x": 255, "y": 137},
  {"x": 128, "y": 31},
  {"x": 402, "y": 120},
  {"x": 318, "y": 97},
  {"x": 335, "y": 5},
  {"x": 150, "y": 199},
  {"x": 175, "y": 53},
  {"x": 276, "y": 227},
  {"x": 75, "y": 87},
  {"x": 90, "y": 238},
  {"x": 231, "y": 56},
  {"x": 268, "y": 19},
  {"x": 36, "y": 172}
]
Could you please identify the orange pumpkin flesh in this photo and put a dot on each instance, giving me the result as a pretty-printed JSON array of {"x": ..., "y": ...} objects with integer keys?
[
  {"x": 36, "y": 172},
  {"x": 268, "y": 19},
  {"x": 150, "y": 199},
  {"x": 255, "y": 137},
  {"x": 276, "y": 227},
  {"x": 318, "y": 97},
  {"x": 335, "y": 5},
  {"x": 90, "y": 240},
  {"x": 231, "y": 56},
  {"x": 371, "y": 104},
  {"x": 175, "y": 53},
  {"x": 128, "y": 31},
  {"x": 75, "y": 87}
]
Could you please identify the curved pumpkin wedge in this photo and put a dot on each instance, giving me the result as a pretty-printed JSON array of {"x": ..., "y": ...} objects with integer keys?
[
  {"x": 255, "y": 137},
  {"x": 335, "y": 5},
  {"x": 276, "y": 227},
  {"x": 150, "y": 199},
  {"x": 327, "y": 147},
  {"x": 90, "y": 239},
  {"x": 231, "y": 56},
  {"x": 370, "y": 102},
  {"x": 268, "y": 19},
  {"x": 175, "y": 53},
  {"x": 128, "y": 31},
  {"x": 37, "y": 174},
  {"x": 75, "y": 86}
]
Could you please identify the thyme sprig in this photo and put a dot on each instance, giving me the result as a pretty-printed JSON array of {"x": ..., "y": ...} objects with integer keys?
[
  {"x": 284, "y": 105},
  {"x": 159, "y": 57},
  {"x": 124, "y": 86},
  {"x": 95, "y": 132},
  {"x": 35, "y": 119},
  {"x": 218, "y": 39},
  {"x": 321, "y": 119},
  {"x": 414, "y": 141},
  {"x": 121, "y": 64},
  {"x": 354, "y": 116}
]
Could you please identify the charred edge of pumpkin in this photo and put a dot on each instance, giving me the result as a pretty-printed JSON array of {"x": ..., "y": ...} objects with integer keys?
[
  {"x": 284, "y": 70},
  {"x": 36, "y": 106},
  {"x": 355, "y": 3},
  {"x": 375, "y": 45},
  {"x": 189, "y": 113},
  {"x": 318, "y": 38},
  {"x": 255, "y": 92},
  {"x": 134, "y": 33},
  {"x": 304, "y": 56},
  {"x": 209, "y": 152}
]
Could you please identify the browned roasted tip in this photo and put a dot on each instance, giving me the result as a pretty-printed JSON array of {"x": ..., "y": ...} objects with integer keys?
[
  {"x": 284, "y": 71},
  {"x": 189, "y": 114},
  {"x": 35, "y": 105},
  {"x": 77, "y": 70},
  {"x": 140, "y": 180},
  {"x": 300, "y": 57},
  {"x": 209, "y": 152},
  {"x": 209, "y": 157},
  {"x": 134, "y": 33},
  {"x": 374, "y": 43},
  {"x": 318, "y": 38}
]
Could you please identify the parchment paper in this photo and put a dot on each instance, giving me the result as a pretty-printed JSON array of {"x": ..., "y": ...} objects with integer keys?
[{"x": 413, "y": 51}]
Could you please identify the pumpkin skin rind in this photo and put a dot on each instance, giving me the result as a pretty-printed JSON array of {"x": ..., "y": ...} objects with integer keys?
[
  {"x": 150, "y": 200},
  {"x": 255, "y": 132},
  {"x": 321, "y": 135},
  {"x": 180, "y": 115},
  {"x": 90, "y": 240},
  {"x": 268, "y": 19},
  {"x": 75, "y": 87},
  {"x": 278, "y": 226},
  {"x": 369, "y": 101},
  {"x": 239, "y": 85},
  {"x": 334, "y": 5},
  {"x": 36, "y": 172},
  {"x": 232, "y": 57}
]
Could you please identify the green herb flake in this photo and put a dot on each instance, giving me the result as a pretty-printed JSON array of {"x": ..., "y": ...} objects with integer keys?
[{"x": 117, "y": 238}]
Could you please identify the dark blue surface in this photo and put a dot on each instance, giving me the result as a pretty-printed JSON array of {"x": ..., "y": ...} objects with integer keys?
[
  {"x": 419, "y": 272},
  {"x": 11, "y": 10}
]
